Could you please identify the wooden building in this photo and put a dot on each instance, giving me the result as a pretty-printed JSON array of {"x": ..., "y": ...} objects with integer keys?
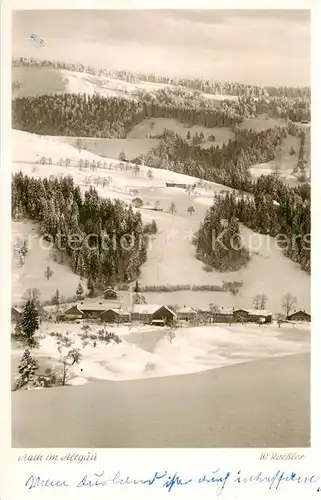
[
  {"x": 143, "y": 313},
  {"x": 299, "y": 316},
  {"x": 87, "y": 310},
  {"x": 115, "y": 316},
  {"x": 110, "y": 293},
  {"x": 186, "y": 313},
  {"x": 222, "y": 315},
  {"x": 15, "y": 314},
  {"x": 164, "y": 313},
  {"x": 74, "y": 312},
  {"x": 252, "y": 316}
]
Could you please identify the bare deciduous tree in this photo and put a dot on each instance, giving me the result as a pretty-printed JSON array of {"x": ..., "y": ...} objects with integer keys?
[{"x": 288, "y": 302}]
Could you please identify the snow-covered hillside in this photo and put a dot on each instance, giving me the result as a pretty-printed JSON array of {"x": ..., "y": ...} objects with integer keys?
[
  {"x": 171, "y": 256},
  {"x": 37, "y": 80}
]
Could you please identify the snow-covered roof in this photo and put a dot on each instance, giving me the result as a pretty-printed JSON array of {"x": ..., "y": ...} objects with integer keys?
[
  {"x": 300, "y": 311},
  {"x": 14, "y": 308},
  {"x": 117, "y": 311},
  {"x": 93, "y": 306},
  {"x": 255, "y": 312},
  {"x": 223, "y": 310},
  {"x": 186, "y": 310},
  {"x": 144, "y": 308}
]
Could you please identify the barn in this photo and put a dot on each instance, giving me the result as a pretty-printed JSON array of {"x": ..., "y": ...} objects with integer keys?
[
  {"x": 222, "y": 315},
  {"x": 143, "y": 313},
  {"x": 252, "y": 316},
  {"x": 164, "y": 313},
  {"x": 299, "y": 316},
  {"x": 74, "y": 312},
  {"x": 15, "y": 314},
  {"x": 88, "y": 310},
  {"x": 115, "y": 316},
  {"x": 186, "y": 313},
  {"x": 110, "y": 293}
]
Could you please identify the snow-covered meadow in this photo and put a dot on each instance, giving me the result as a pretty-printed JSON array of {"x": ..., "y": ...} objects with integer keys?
[
  {"x": 147, "y": 352},
  {"x": 171, "y": 256}
]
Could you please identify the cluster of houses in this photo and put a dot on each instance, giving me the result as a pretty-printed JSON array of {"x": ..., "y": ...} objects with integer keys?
[
  {"x": 180, "y": 185},
  {"x": 110, "y": 310}
]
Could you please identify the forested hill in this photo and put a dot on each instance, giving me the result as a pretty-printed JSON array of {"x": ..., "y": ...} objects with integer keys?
[
  {"x": 207, "y": 86},
  {"x": 275, "y": 210},
  {"x": 99, "y": 225},
  {"x": 227, "y": 165}
]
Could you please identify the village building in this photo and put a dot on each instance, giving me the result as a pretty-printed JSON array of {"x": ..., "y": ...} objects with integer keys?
[
  {"x": 15, "y": 314},
  {"x": 252, "y": 316},
  {"x": 87, "y": 310},
  {"x": 164, "y": 313},
  {"x": 186, "y": 313},
  {"x": 138, "y": 298},
  {"x": 222, "y": 315},
  {"x": 300, "y": 315},
  {"x": 110, "y": 293},
  {"x": 146, "y": 313},
  {"x": 204, "y": 315},
  {"x": 143, "y": 313},
  {"x": 74, "y": 312},
  {"x": 115, "y": 316},
  {"x": 180, "y": 185}
]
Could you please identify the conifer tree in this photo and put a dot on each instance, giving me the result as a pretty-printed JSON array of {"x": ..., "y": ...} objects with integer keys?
[
  {"x": 91, "y": 287},
  {"x": 27, "y": 369},
  {"x": 80, "y": 291},
  {"x": 56, "y": 298},
  {"x": 30, "y": 323}
]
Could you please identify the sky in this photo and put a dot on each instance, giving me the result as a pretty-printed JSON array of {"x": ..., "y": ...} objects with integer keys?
[{"x": 266, "y": 47}]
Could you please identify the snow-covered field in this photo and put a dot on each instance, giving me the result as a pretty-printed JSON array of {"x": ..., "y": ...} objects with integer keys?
[
  {"x": 262, "y": 122},
  {"x": 39, "y": 80},
  {"x": 158, "y": 125},
  {"x": 146, "y": 352},
  {"x": 171, "y": 257},
  {"x": 111, "y": 148}
]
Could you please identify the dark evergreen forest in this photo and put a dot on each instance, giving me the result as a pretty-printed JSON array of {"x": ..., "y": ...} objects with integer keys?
[
  {"x": 274, "y": 209},
  {"x": 108, "y": 242}
]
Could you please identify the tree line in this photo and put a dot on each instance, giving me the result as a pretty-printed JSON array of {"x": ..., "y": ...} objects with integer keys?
[
  {"x": 108, "y": 237},
  {"x": 109, "y": 117},
  {"x": 203, "y": 85},
  {"x": 218, "y": 242},
  {"x": 274, "y": 209},
  {"x": 227, "y": 165}
]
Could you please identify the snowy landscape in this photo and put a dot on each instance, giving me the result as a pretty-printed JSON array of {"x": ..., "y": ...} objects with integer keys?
[{"x": 171, "y": 171}]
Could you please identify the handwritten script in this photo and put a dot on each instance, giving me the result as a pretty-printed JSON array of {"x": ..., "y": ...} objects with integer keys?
[{"x": 220, "y": 480}]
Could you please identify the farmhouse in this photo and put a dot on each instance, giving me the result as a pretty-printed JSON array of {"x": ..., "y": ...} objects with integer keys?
[
  {"x": 299, "y": 316},
  {"x": 110, "y": 293},
  {"x": 176, "y": 184},
  {"x": 143, "y": 312},
  {"x": 186, "y": 313},
  {"x": 74, "y": 312},
  {"x": 146, "y": 313},
  {"x": 115, "y": 316},
  {"x": 222, "y": 315},
  {"x": 15, "y": 314},
  {"x": 164, "y": 313},
  {"x": 138, "y": 298},
  {"x": 87, "y": 310},
  {"x": 252, "y": 316},
  {"x": 205, "y": 315}
]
